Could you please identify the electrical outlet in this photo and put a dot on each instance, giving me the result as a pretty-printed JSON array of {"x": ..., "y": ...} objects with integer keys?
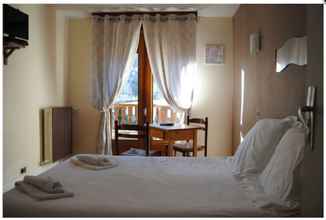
[
  {"x": 23, "y": 170},
  {"x": 258, "y": 114}
]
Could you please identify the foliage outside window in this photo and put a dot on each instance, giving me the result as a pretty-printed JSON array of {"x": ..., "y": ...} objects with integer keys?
[{"x": 126, "y": 104}]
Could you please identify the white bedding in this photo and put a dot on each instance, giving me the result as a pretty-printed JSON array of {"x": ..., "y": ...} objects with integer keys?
[{"x": 143, "y": 186}]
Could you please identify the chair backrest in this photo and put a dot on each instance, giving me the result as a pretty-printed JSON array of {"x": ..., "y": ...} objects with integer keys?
[
  {"x": 135, "y": 132},
  {"x": 203, "y": 126}
]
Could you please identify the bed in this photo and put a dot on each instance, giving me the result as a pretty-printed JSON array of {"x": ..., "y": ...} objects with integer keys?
[
  {"x": 259, "y": 180},
  {"x": 143, "y": 186}
]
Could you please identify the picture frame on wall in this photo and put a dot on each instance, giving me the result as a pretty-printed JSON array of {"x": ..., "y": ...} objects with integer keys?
[{"x": 215, "y": 54}]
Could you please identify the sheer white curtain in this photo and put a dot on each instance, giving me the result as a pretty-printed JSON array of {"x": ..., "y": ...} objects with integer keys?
[
  {"x": 171, "y": 47},
  {"x": 114, "y": 43}
]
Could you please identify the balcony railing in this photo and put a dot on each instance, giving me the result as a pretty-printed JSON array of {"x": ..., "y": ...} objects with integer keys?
[{"x": 129, "y": 113}]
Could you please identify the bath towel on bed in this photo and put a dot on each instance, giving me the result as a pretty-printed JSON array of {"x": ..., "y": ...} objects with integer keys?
[
  {"x": 38, "y": 194},
  {"x": 45, "y": 184},
  {"x": 94, "y": 162}
]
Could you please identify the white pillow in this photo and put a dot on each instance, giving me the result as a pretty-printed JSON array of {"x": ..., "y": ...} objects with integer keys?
[
  {"x": 258, "y": 145},
  {"x": 277, "y": 179}
]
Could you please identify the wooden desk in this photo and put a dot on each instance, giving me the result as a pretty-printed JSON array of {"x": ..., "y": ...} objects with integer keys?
[{"x": 175, "y": 133}]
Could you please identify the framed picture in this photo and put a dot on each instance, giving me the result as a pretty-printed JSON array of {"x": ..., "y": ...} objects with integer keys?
[{"x": 215, "y": 53}]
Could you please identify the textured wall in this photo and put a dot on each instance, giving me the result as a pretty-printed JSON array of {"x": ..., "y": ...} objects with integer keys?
[
  {"x": 266, "y": 93},
  {"x": 312, "y": 167}
]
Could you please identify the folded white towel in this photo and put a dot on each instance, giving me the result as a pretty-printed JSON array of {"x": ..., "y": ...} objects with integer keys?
[
  {"x": 35, "y": 193},
  {"x": 46, "y": 184}
]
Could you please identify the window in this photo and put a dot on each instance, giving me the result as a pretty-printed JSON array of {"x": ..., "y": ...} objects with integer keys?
[
  {"x": 129, "y": 89},
  {"x": 126, "y": 104},
  {"x": 140, "y": 99},
  {"x": 162, "y": 112}
]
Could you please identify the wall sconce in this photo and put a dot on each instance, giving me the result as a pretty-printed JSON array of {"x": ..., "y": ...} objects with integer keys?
[
  {"x": 255, "y": 43},
  {"x": 306, "y": 114},
  {"x": 294, "y": 51}
]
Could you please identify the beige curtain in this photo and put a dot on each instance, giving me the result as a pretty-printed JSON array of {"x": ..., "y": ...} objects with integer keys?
[
  {"x": 171, "y": 47},
  {"x": 114, "y": 43}
]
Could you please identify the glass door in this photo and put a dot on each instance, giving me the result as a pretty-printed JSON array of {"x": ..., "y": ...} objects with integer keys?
[
  {"x": 126, "y": 104},
  {"x": 162, "y": 111},
  {"x": 140, "y": 99}
]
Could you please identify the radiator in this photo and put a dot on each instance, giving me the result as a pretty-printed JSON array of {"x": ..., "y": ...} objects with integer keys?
[
  {"x": 57, "y": 132},
  {"x": 47, "y": 152}
]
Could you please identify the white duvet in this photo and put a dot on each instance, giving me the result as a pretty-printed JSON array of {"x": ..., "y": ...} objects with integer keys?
[{"x": 145, "y": 186}]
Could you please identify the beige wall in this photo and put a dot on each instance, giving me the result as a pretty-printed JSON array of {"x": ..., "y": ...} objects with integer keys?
[
  {"x": 85, "y": 117},
  {"x": 267, "y": 94},
  {"x": 213, "y": 97},
  {"x": 61, "y": 55},
  {"x": 214, "y": 84},
  {"x": 29, "y": 84}
]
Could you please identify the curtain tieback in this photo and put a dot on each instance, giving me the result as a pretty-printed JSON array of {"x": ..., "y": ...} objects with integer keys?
[{"x": 105, "y": 110}]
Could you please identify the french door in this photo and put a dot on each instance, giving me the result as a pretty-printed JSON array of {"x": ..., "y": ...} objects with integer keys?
[
  {"x": 134, "y": 102},
  {"x": 140, "y": 99}
]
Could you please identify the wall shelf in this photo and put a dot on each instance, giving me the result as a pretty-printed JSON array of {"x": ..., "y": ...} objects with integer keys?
[{"x": 10, "y": 45}]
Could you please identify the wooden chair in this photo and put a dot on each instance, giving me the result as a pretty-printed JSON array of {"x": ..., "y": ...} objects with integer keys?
[
  {"x": 139, "y": 138},
  {"x": 159, "y": 145},
  {"x": 186, "y": 147}
]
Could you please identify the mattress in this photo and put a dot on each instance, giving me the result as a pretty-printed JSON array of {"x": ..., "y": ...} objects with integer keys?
[{"x": 142, "y": 186}]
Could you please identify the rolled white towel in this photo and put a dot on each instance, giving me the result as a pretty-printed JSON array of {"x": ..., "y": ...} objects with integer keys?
[
  {"x": 94, "y": 162},
  {"x": 46, "y": 184}
]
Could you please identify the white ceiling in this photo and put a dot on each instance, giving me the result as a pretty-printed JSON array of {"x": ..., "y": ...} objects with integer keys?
[{"x": 203, "y": 10}]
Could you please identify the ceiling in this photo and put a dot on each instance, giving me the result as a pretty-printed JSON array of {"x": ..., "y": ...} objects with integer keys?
[{"x": 216, "y": 10}]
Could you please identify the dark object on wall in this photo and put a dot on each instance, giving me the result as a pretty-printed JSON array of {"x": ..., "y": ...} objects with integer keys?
[
  {"x": 57, "y": 131},
  {"x": 15, "y": 30},
  {"x": 23, "y": 170},
  {"x": 15, "y": 23}
]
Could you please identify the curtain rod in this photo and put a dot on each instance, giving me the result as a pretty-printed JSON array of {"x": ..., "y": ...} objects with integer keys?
[{"x": 102, "y": 14}]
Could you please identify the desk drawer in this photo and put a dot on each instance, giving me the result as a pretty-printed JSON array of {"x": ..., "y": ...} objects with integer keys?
[
  {"x": 181, "y": 134},
  {"x": 156, "y": 133}
]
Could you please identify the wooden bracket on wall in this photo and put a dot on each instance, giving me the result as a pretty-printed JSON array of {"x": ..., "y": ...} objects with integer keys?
[{"x": 10, "y": 45}]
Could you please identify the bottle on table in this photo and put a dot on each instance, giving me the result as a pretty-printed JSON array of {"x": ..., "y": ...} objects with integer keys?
[{"x": 120, "y": 116}]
